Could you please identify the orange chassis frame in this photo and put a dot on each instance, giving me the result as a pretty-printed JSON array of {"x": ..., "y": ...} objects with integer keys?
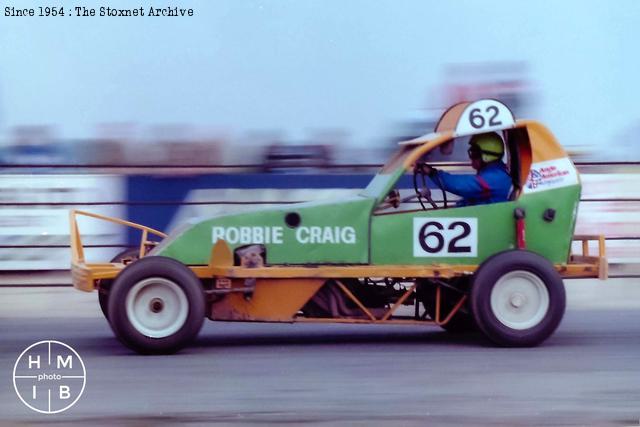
[{"x": 306, "y": 279}]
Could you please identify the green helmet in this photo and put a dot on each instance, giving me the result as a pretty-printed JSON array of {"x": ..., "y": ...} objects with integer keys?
[{"x": 488, "y": 146}]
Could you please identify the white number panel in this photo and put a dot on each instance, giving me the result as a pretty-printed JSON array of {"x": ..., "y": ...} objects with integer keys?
[
  {"x": 484, "y": 116},
  {"x": 445, "y": 237}
]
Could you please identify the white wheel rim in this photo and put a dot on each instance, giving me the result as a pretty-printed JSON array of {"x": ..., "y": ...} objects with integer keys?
[
  {"x": 520, "y": 300},
  {"x": 157, "y": 307}
]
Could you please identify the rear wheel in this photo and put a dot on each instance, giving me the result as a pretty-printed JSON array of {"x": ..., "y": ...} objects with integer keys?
[
  {"x": 105, "y": 285},
  {"x": 156, "y": 305},
  {"x": 517, "y": 298}
]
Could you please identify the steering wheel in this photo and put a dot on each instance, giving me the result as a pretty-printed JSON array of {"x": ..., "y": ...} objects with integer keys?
[{"x": 423, "y": 190}]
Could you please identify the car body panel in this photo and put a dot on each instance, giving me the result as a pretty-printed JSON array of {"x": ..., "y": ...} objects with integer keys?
[
  {"x": 335, "y": 232},
  {"x": 395, "y": 237}
]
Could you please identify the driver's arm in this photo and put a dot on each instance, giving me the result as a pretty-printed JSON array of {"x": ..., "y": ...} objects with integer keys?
[{"x": 466, "y": 186}]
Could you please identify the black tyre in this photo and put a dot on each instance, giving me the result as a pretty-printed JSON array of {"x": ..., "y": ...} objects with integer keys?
[
  {"x": 156, "y": 305},
  {"x": 462, "y": 321},
  {"x": 517, "y": 298},
  {"x": 105, "y": 285}
]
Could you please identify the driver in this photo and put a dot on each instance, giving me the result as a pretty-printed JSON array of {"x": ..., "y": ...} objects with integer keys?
[{"x": 492, "y": 182}]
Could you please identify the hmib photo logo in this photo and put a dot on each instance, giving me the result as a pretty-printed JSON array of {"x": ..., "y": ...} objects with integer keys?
[{"x": 49, "y": 377}]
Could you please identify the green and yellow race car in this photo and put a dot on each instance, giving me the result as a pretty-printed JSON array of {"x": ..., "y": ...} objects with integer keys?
[{"x": 378, "y": 257}]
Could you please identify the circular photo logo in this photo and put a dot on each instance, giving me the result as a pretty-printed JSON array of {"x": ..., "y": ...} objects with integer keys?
[{"x": 49, "y": 377}]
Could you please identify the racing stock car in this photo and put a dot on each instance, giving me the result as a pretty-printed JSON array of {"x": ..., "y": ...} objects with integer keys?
[{"x": 379, "y": 257}]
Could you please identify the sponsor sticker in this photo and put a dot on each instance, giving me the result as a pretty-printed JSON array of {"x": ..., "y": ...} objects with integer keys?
[{"x": 551, "y": 174}]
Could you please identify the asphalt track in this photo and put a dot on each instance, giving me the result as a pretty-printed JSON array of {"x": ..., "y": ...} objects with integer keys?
[{"x": 588, "y": 373}]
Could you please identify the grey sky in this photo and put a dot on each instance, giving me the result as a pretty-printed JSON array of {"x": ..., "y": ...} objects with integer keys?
[{"x": 300, "y": 64}]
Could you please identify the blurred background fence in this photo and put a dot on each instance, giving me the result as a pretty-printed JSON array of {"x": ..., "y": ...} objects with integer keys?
[{"x": 35, "y": 200}]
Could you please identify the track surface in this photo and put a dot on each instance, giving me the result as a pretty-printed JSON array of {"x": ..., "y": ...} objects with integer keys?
[{"x": 588, "y": 373}]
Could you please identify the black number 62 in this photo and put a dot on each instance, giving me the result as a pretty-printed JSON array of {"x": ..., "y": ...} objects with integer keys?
[
  {"x": 452, "y": 247},
  {"x": 477, "y": 120}
]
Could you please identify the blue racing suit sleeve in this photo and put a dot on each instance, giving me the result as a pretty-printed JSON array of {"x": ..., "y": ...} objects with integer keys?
[
  {"x": 491, "y": 184},
  {"x": 465, "y": 186}
]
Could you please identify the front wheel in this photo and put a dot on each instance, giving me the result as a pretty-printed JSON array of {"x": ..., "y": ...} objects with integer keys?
[
  {"x": 517, "y": 298},
  {"x": 156, "y": 305}
]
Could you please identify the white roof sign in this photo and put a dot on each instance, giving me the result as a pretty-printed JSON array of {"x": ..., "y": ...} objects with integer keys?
[{"x": 485, "y": 115}]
